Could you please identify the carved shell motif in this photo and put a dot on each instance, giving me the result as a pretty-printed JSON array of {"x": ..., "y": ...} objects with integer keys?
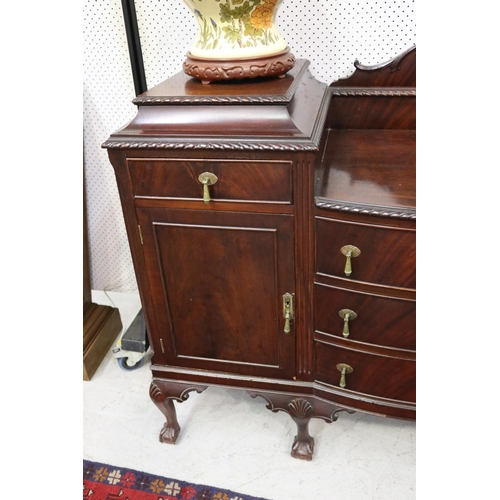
[{"x": 300, "y": 407}]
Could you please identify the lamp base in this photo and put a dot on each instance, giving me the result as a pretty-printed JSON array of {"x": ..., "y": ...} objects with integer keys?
[{"x": 211, "y": 70}]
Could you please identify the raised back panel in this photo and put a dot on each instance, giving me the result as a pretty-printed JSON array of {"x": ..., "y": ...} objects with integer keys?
[
  {"x": 380, "y": 97},
  {"x": 397, "y": 72}
]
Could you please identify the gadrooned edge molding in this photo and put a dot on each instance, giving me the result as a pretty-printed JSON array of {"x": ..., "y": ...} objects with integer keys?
[
  {"x": 366, "y": 209},
  {"x": 374, "y": 91},
  {"x": 257, "y": 146}
]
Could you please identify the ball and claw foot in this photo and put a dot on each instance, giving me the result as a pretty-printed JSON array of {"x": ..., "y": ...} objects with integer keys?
[
  {"x": 163, "y": 394},
  {"x": 170, "y": 433},
  {"x": 303, "y": 449}
]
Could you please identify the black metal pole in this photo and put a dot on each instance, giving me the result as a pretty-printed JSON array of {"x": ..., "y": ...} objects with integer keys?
[
  {"x": 135, "y": 338},
  {"x": 134, "y": 46}
]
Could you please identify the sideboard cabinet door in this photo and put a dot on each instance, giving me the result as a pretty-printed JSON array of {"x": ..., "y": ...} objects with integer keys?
[{"x": 217, "y": 283}]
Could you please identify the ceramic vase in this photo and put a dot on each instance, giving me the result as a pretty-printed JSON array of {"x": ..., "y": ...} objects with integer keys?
[{"x": 236, "y": 39}]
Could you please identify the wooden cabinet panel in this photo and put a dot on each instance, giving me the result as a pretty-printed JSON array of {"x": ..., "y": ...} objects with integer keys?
[
  {"x": 238, "y": 180},
  {"x": 388, "y": 255},
  {"x": 218, "y": 280},
  {"x": 381, "y": 376},
  {"x": 381, "y": 321}
]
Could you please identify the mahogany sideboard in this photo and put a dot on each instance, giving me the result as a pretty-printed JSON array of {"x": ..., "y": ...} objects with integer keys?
[{"x": 272, "y": 229}]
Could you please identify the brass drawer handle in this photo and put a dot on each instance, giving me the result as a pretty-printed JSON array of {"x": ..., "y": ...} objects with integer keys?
[
  {"x": 207, "y": 179},
  {"x": 347, "y": 315},
  {"x": 344, "y": 369},
  {"x": 287, "y": 310},
  {"x": 350, "y": 251}
]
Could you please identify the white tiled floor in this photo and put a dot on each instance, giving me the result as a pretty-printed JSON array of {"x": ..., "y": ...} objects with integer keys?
[{"x": 232, "y": 441}]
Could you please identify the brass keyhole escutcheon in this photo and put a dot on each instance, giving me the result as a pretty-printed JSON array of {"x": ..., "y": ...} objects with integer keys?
[
  {"x": 350, "y": 251},
  {"x": 347, "y": 315},
  {"x": 344, "y": 369},
  {"x": 207, "y": 179}
]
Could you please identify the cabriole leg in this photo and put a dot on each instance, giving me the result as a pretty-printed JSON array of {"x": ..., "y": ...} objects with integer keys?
[
  {"x": 164, "y": 393},
  {"x": 301, "y": 410},
  {"x": 303, "y": 444}
]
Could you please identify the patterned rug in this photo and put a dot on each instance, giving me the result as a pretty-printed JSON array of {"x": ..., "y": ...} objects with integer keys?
[{"x": 107, "y": 482}]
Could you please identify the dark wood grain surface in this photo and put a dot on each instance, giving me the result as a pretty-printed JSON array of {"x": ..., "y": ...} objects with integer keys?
[
  {"x": 237, "y": 180},
  {"x": 388, "y": 255},
  {"x": 380, "y": 321},
  {"x": 217, "y": 279},
  {"x": 369, "y": 167},
  {"x": 383, "y": 376}
]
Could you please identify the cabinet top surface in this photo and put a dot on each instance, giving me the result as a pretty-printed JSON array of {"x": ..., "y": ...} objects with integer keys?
[
  {"x": 369, "y": 168},
  {"x": 279, "y": 114},
  {"x": 182, "y": 89}
]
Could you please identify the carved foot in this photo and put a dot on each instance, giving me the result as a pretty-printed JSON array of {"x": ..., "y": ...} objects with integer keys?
[
  {"x": 301, "y": 410},
  {"x": 163, "y": 393},
  {"x": 303, "y": 449},
  {"x": 171, "y": 427}
]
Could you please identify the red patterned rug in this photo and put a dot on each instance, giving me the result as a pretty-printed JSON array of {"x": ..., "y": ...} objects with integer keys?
[{"x": 107, "y": 482}]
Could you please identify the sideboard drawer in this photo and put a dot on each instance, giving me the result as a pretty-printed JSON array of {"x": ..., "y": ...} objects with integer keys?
[
  {"x": 387, "y": 255},
  {"x": 376, "y": 375},
  {"x": 361, "y": 317},
  {"x": 251, "y": 181}
]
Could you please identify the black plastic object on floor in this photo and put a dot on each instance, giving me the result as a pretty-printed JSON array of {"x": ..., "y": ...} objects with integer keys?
[{"x": 133, "y": 345}]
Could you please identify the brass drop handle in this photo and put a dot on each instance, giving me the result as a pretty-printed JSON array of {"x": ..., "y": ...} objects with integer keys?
[
  {"x": 344, "y": 369},
  {"x": 348, "y": 315},
  {"x": 287, "y": 322},
  {"x": 287, "y": 310},
  {"x": 207, "y": 179},
  {"x": 350, "y": 251}
]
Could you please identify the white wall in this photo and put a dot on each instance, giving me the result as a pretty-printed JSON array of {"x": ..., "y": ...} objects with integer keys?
[{"x": 330, "y": 33}]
